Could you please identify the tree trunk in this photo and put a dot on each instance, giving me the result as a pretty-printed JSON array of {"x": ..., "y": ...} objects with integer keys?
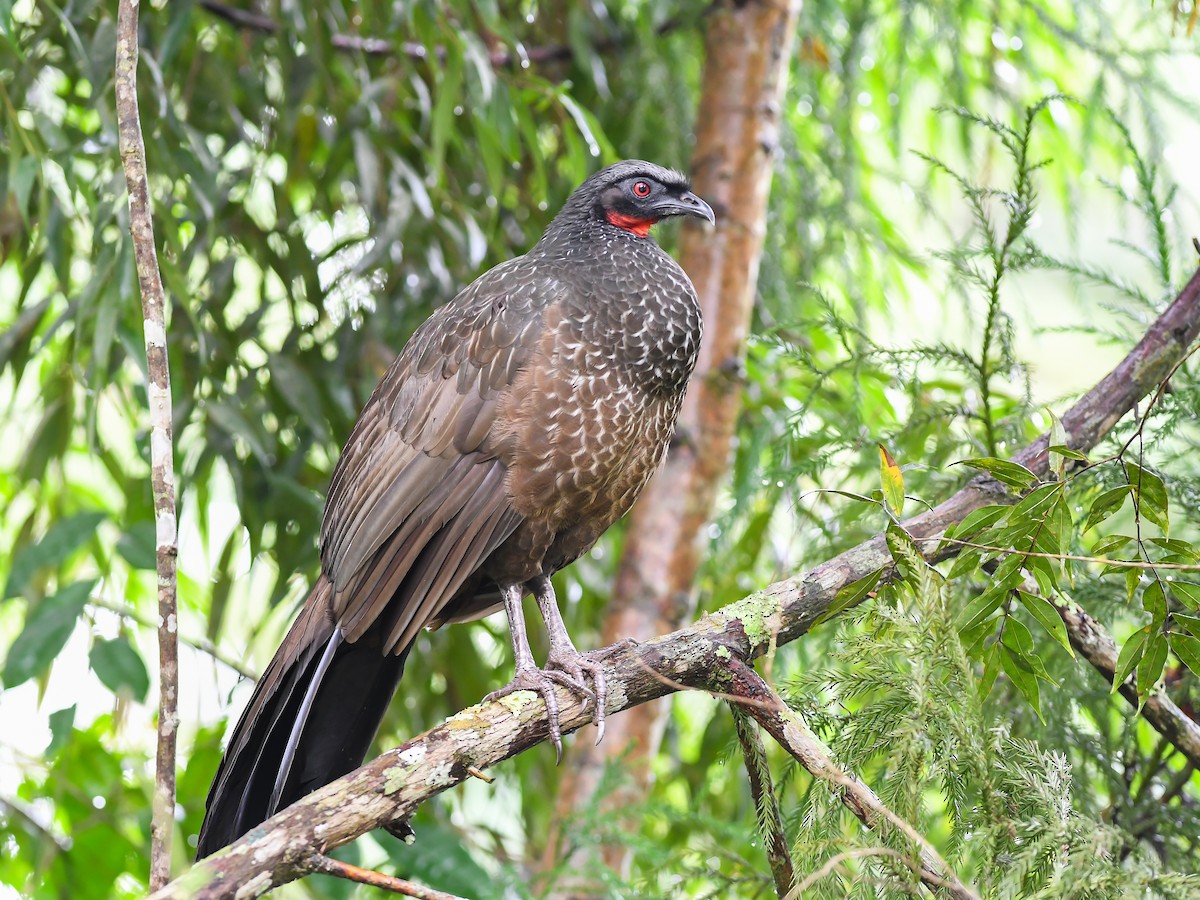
[{"x": 747, "y": 55}]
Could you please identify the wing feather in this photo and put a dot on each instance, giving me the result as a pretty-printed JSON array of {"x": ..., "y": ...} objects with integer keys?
[{"x": 419, "y": 499}]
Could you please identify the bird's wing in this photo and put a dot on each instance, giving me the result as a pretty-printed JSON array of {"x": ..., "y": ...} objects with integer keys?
[{"x": 418, "y": 499}]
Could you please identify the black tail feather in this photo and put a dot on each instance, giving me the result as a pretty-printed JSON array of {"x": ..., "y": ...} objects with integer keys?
[{"x": 347, "y": 702}]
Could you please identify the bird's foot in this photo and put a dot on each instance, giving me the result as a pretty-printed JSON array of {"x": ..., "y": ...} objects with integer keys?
[
  {"x": 542, "y": 682},
  {"x": 585, "y": 668}
]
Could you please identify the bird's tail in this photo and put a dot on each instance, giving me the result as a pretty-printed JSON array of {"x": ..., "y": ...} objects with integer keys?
[{"x": 312, "y": 718}]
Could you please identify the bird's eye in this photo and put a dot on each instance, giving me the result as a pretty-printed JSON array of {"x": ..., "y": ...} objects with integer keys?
[{"x": 641, "y": 189}]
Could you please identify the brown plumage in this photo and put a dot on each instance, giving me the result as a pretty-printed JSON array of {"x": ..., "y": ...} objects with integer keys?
[{"x": 520, "y": 421}]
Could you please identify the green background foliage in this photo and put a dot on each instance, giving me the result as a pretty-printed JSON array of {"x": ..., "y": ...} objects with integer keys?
[{"x": 955, "y": 248}]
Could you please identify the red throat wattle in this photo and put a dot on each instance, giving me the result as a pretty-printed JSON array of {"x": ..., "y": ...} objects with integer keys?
[{"x": 632, "y": 224}]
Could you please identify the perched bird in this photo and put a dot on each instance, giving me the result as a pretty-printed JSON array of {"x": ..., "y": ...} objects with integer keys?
[{"x": 519, "y": 422}]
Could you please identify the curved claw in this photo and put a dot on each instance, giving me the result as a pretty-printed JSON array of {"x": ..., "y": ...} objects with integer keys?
[
  {"x": 542, "y": 683},
  {"x": 582, "y": 668}
]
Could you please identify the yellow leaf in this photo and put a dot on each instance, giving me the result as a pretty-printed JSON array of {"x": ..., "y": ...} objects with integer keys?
[{"x": 892, "y": 480}]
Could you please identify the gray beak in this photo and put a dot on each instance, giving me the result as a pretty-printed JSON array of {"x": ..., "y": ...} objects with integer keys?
[{"x": 687, "y": 204}]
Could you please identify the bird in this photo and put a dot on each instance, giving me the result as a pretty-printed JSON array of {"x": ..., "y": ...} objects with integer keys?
[{"x": 519, "y": 422}]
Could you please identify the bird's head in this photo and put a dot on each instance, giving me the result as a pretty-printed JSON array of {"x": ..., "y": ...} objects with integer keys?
[{"x": 633, "y": 195}]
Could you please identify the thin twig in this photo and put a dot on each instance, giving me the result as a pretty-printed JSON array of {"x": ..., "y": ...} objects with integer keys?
[
  {"x": 162, "y": 466},
  {"x": 766, "y": 805},
  {"x": 1098, "y": 560},
  {"x": 834, "y": 861},
  {"x": 204, "y": 645},
  {"x": 335, "y": 867}
]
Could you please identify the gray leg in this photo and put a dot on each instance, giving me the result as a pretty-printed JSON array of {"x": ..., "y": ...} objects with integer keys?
[
  {"x": 581, "y": 667},
  {"x": 528, "y": 677}
]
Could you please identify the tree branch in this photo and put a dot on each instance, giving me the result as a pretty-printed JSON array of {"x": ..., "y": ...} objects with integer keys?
[
  {"x": 162, "y": 466},
  {"x": 393, "y": 785},
  {"x": 766, "y": 805},
  {"x": 782, "y": 723},
  {"x": 498, "y": 57}
]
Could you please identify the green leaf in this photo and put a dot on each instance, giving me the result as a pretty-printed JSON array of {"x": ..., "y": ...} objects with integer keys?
[
  {"x": 892, "y": 481},
  {"x": 851, "y": 595},
  {"x": 1154, "y": 601},
  {"x": 1130, "y": 655},
  {"x": 1105, "y": 505},
  {"x": 976, "y": 521},
  {"x": 1007, "y": 577},
  {"x": 1191, "y": 623},
  {"x": 991, "y": 668},
  {"x": 1003, "y": 470},
  {"x": 138, "y": 546},
  {"x": 46, "y": 630},
  {"x": 1187, "y": 593},
  {"x": 24, "y": 174},
  {"x": 1058, "y": 438},
  {"x": 1151, "y": 494},
  {"x": 1110, "y": 544},
  {"x": 1187, "y": 648},
  {"x": 1150, "y": 669},
  {"x": 1047, "y": 616},
  {"x": 1021, "y": 673},
  {"x": 968, "y": 561},
  {"x": 120, "y": 667},
  {"x": 62, "y": 539},
  {"x": 1066, "y": 452},
  {"x": 1034, "y": 504},
  {"x": 62, "y": 721}
]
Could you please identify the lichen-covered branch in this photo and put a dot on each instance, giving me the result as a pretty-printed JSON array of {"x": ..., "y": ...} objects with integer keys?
[
  {"x": 162, "y": 465},
  {"x": 393, "y": 785},
  {"x": 782, "y": 723}
]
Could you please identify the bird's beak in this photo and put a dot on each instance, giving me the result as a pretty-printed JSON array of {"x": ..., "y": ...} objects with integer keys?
[{"x": 686, "y": 204}]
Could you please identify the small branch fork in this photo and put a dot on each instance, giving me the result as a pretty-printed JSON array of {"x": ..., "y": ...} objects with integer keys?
[
  {"x": 393, "y": 785},
  {"x": 162, "y": 466}
]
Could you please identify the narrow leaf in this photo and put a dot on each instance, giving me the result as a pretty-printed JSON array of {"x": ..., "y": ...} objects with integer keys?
[
  {"x": 1150, "y": 669},
  {"x": 1047, "y": 616},
  {"x": 1187, "y": 648},
  {"x": 1021, "y": 673},
  {"x": 46, "y": 630},
  {"x": 119, "y": 667},
  {"x": 1130, "y": 655},
  {"x": 1003, "y": 470},
  {"x": 1105, "y": 505},
  {"x": 892, "y": 481},
  {"x": 1151, "y": 494},
  {"x": 851, "y": 595},
  {"x": 1187, "y": 593}
]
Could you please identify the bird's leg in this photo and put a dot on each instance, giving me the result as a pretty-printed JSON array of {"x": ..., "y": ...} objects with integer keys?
[
  {"x": 528, "y": 677},
  {"x": 581, "y": 667}
]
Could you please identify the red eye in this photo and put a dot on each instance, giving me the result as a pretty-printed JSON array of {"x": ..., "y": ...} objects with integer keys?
[{"x": 641, "y": 189}]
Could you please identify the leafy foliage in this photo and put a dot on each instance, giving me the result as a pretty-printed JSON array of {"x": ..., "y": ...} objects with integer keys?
[{"x": 317, "y": 192}]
